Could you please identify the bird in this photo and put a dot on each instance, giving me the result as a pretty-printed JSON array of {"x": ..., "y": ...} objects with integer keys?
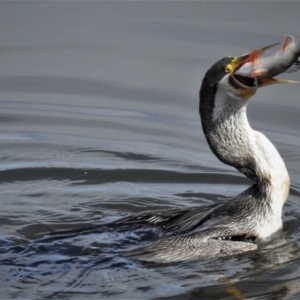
[{"x": 237, "y": 225}]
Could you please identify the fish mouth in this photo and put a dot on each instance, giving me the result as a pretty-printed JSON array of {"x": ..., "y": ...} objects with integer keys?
[
  {"x": 245, "y": 85},
  {"x": 243, "y": 82}
]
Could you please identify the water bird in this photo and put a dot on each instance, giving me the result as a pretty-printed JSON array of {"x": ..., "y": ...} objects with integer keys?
[{"x": 234, "y": 226}]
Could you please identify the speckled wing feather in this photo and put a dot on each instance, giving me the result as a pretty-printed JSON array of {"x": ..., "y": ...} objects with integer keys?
[
  {"x": 176, "y": 220},
  {"x": 205, "y": 243}
]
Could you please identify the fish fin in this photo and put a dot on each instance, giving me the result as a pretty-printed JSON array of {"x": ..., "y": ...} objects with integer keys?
[
  {"x": 273, "y": 80},
  {"x": 286, "y": 81},
  {"x": 259, "y": 72},
  {"x": 288, "y": 41},
  {"x": 255, "y": 54}
]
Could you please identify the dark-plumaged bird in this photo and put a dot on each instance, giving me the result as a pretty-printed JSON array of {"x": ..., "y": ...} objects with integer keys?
[{"x": 235, "y": 226}]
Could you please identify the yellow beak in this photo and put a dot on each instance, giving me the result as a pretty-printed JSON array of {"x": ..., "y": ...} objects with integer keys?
[{"x": 238, "y": 60}]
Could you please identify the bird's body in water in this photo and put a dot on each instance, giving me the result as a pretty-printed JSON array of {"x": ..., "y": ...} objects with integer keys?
[{"x": 234, "y": 226}]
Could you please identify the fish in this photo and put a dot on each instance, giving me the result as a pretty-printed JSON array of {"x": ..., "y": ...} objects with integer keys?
[
  {"x": 285, "y": 60},
  {"x": 295, "y": 67}
]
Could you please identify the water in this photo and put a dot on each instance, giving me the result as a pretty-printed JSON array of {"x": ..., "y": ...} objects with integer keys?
[{"x": 99, "y": 119}]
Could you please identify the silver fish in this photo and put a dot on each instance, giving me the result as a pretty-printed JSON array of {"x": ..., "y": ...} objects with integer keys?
[
  {"x": 294, "y": 68},
  {"x": 285, "y": 60}
]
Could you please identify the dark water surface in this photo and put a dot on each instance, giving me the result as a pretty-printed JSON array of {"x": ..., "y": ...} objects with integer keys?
[{"x": 99, "y": 119}]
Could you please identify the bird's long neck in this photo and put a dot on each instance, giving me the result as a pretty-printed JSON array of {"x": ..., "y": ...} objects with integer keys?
[{"x": 235, "y": 143}]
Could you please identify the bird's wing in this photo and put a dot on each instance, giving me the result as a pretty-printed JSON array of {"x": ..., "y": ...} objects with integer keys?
[
  {"x": 176, "y": 220},
  {"x": 204, "y": 243}
]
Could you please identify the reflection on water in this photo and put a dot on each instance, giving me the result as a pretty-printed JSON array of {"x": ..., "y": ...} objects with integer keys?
[
  {"x": 99, "y": 119},
  {"x": 39, "y": 199}
]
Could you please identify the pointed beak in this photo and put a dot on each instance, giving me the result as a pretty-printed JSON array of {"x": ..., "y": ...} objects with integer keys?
[
  {"x": 247, "y": 55},
  {"x": 238, "y": 61}
]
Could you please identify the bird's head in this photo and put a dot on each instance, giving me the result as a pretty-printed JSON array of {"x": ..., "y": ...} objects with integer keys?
[
  {"x": 225, "y": 91},
  {"x": 223, "y": 83},
  {"x": 235, "y": 83}
]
